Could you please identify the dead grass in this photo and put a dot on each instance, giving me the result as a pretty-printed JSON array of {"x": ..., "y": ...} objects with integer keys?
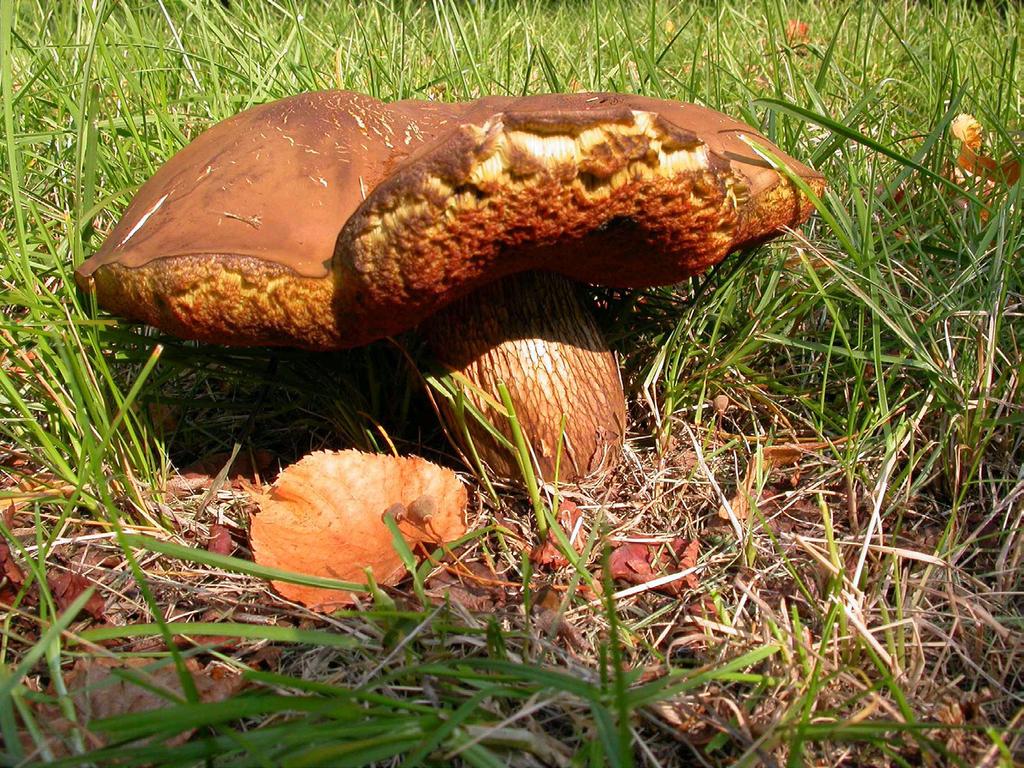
[{"x": 948, "y": 657}]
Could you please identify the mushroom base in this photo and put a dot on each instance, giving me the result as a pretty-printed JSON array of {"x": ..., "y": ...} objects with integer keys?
[{"x": 532, "y": 332}]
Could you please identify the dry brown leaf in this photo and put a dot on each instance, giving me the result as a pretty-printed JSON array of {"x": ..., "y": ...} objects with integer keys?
[
  {"x": 219, "y": 540},
  {"x": 66, "y": 585},
  {"x": 324, "y": 517},
  {"x": 474, "y": 586},
  {"x": 11, "y": 576},
  {"x": 773, "y": 456},
  {"x": 99, "y": 692},
  {"x": 639, "y": 563},
  {"x": 42, "y": 486},
  {"x": 249, "y": 467},
  {"x": 549, "y": 553}
]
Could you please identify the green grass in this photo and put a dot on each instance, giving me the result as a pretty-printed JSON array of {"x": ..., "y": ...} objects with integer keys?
[{"x": 867, "y": 609}]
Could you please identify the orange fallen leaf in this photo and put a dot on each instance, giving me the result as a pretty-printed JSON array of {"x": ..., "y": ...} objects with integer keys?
[{"x": 324, "y": 516}]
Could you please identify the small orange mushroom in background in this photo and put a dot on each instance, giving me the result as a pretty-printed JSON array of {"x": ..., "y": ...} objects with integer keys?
[
  {"x": 976, "y": 165},
  {"x": 324, "y": 516},
  {"x": 797, "y": 32}
]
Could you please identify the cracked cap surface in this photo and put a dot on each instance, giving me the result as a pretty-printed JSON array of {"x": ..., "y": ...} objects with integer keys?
[{"x": 330, "y": 219}]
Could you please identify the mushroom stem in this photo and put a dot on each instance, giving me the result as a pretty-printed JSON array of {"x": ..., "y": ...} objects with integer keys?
[{"x": 532, "y": 332}]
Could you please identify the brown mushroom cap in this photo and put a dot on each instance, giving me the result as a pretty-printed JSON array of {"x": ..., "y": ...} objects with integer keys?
[{"x": 330, "y": 219}]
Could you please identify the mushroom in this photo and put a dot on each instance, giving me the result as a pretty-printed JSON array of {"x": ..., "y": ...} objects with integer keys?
[{"x": 328, "y": 220}]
